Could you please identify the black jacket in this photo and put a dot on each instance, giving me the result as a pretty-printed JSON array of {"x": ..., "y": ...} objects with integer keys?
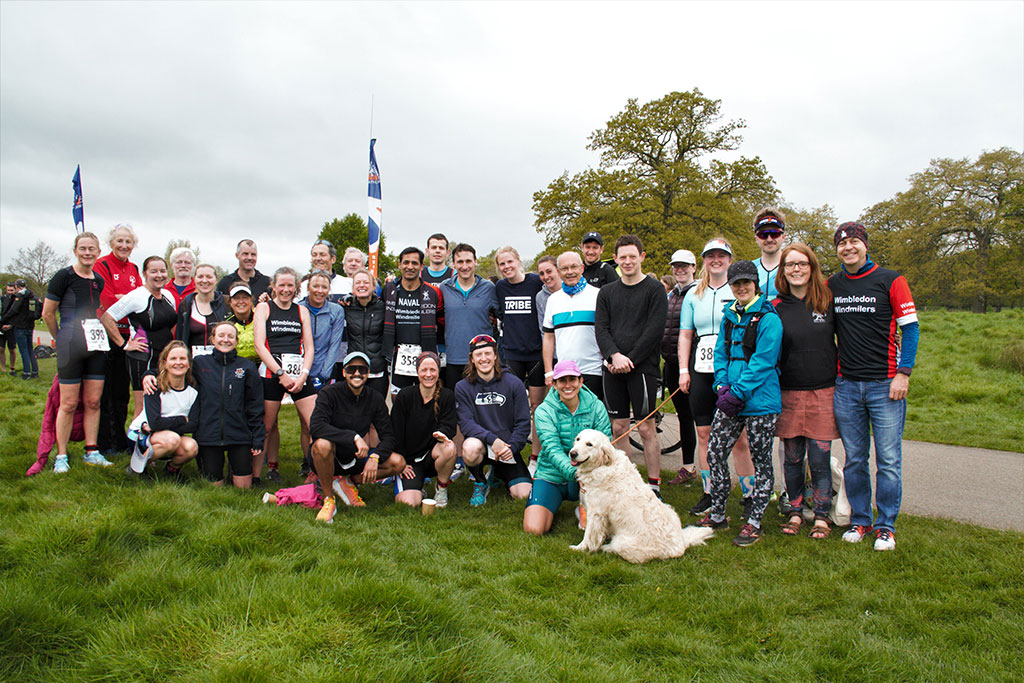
[
  {"x": 182, "y": 329},
  {"x": 231, "y": 400},
  {"x": 601, "y": 273},
  {"x": 808, "y": 359},
  {"x": 20, "y": 314},
  {"x": 364, "y": 330},
  {"x": 339, "y": 415}
]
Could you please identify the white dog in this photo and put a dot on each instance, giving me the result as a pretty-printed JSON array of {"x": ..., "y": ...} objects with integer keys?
[{"x": 621, "y": 506}]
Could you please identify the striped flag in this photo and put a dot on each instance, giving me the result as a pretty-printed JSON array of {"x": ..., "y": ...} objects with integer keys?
[
  {"x": 373, "y": 201},
  {"x": 77, "y": 210}
]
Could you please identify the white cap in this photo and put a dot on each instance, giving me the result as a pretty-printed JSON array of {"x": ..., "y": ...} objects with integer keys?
[
  {"x": 683, "y": 256},
  {"x": 717, "y": 243}
]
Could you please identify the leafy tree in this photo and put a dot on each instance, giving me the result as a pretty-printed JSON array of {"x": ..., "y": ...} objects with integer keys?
[
  {"x": 815, "y": 228},
  {"x": 956, "y": 232},
  {"x": 351, "y": 231},
  {"x": 658, "y": 177},
  {"x": 174, "y": 244},
  {"x": 37, "y": 265}
]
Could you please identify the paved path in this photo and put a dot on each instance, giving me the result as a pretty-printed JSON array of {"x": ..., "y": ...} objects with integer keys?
[{"x": 973, "y": 485}]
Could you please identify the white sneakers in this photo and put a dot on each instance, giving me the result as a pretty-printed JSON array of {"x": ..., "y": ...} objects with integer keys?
[
  {"x": 885, "y": 540},
  {"x": 60, "y": 465}
]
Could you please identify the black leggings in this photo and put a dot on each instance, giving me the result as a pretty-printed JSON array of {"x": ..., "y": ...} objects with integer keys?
[
  {"x": 681, "y": 401},
  {"x": 211, "y": 461}
]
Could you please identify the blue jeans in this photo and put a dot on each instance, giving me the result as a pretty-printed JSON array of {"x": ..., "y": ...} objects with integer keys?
[
  {"x": 863, "y": 409},
  {"x": 28, "y": 358}
]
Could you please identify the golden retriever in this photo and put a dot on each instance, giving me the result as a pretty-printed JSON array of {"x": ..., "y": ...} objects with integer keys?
[{"x": 620, "y": 506}]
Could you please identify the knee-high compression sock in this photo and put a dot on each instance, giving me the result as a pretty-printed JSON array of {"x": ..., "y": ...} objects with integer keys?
[
  {"x": 747, "y": 485},
  {"x": 705, "y": 480},
  {"x": 478, "y": 473}
]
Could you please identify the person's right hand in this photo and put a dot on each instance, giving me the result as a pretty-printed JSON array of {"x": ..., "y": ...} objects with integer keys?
[
  {"x": 502, "y": 450},
  {"x": 684, "y": 383},
  {"x": 149, "y": 385},
  {"x": 136, "y": 345},
  {"x": 361, "y": 448},
  {"x": 408, "y": 472}
]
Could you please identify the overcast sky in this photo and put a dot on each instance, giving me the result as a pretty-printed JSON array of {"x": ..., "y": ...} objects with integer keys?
[{"x": 216, "y": 121}]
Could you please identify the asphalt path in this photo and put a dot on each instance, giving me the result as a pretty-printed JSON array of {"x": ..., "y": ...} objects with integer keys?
[{"x": 973, "y": 485}]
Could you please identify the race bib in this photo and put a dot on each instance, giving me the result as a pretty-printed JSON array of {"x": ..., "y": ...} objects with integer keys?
[
  {"x": 405, "y": 359},
  {"x": 705, "y": 360},
  {"x": 95, "y": 335},
  {"x": 201, "y": 351},
  {"x": 291, "y": 363}
]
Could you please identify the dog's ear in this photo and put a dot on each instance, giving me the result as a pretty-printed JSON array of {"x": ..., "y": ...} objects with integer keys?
[{"x": 607, "y": 452}]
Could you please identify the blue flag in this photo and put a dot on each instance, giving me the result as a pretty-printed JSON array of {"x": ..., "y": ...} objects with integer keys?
[
  {"x": 77, "y": 211},
  {"x": 374, "y": 219}
]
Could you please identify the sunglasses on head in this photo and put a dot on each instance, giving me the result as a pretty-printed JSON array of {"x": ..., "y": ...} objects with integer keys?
[
  {"x": 354, "y": 369},
  {"x": 482, "y": 339}
]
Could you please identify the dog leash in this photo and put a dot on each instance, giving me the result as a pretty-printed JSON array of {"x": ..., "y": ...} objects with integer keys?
[{"x": 621, "y": 436}]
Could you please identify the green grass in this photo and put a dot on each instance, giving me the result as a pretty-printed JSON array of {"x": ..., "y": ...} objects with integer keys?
[{"x": 102, "y": 578}]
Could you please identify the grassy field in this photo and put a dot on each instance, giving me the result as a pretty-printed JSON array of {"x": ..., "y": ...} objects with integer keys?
[{"x": 102, "y": 578}]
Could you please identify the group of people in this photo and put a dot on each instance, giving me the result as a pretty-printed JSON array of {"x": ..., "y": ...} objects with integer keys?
[{"x": 474, "y": 370}]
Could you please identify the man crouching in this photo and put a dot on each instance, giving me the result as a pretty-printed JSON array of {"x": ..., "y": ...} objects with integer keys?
[{"x": 341, "y": 420}]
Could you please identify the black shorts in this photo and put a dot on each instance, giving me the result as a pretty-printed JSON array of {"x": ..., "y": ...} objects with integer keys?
[
  {"x": 530, "y": 371},
  {"x": 423, "y": 469},
  {"x": 137, "y": 367},
  {"x": 595, "y": 384},
  {"x": 452, "y": 375},
  {"x": 74, "y": 365},
  {"x": 512, "y": 473},
  {"x": 273, "y": 391},
  {"x": 7, "y": 339},
  {"x": 211, "y": 461},
  {"x": 702, "y": 397},
  {"x": 630, "y": 389}
]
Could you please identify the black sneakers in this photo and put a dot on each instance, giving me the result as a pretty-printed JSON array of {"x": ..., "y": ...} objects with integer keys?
[{"x": 702, "y": 506}]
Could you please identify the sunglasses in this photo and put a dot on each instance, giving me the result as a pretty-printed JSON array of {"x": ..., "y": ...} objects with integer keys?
[
  {"x": 482, "y": 339},
  {"x": 356, "y": 370},
  {"x": 769, "y": 234}
]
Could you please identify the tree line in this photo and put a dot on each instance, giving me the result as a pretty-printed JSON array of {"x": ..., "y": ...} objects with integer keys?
[{"x": 957, "y": 231}]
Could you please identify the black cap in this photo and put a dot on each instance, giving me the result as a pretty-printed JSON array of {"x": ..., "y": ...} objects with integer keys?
[
  {"x": 20, "y": 283},
  {"x": 743, "y": 270},
  {"x": 593, "y": 237}
]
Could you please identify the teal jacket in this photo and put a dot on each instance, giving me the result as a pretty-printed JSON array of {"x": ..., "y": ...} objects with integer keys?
[
  {"x": 755, "y": 382},
  {"x": 557, "y": 429}
]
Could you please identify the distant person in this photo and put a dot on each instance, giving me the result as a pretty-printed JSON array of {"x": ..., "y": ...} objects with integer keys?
[
  {"x": 684, "y": 266},
  {"x": 183, "y": 265},
  {"x": 7, "y": 340},
  {"x": 284, "y": 342},
  {"x": 411, "y": 311},
  {"x": 322, "y": 257},
  {"x": 494, "y": 417},
  {"x": 747, "y": 385},
  {"x": 199, "y": 311},
  {"x": 120, "y": 276},
  {"x": 770, "y": 232},
  {"x": 364, "y": 330},
  {"x": 699, "y": 325},
  {"x": 81, "y": 343},
  {"x": 20, "y": 321},
  {"x": 151, "y": 312},
  {"x": 565, "y": 412},
  {"x": 874, "y": 375},
  {"x": 424, "y": 421},
  {"x": 596, "y": 272},
  {"x": 569, "y": 324},
  {"x": 807, "y": 375},
  {"x": 169, "y": 415},
  {"x": 629, "y": 323},
  {"x": 246, "y": 253},
  {"x": 341, "y": 422}
]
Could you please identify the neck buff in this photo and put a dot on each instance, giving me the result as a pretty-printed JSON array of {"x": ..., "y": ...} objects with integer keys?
[{"x": 576, "y": 289}]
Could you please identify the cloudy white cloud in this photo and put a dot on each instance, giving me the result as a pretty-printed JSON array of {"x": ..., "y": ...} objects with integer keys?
[{"x": 217, "y": 120}]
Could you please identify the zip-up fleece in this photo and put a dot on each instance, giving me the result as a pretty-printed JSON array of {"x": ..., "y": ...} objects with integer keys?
[
  {"x": 231, "y": 400},
  {"x": 557, "y": 429}
]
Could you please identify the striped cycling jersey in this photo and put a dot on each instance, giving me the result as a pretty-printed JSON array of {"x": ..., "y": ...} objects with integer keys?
[{"x": 571, "y": 319}]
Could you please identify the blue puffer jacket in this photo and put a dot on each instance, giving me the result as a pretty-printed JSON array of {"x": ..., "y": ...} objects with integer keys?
[
  {"x": 328, "y": 348},
  {"x": 755, "y": 382}
]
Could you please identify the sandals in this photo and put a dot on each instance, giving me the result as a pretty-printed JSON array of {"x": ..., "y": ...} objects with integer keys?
[
  {"x": 820, "y": 531},
  {"x": 792, "y": 527}
]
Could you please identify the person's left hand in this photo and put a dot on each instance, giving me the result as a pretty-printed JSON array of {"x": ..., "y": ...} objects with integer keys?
[
  {"x": 899, "y": 386},
  {"x": 620, "y": 364},
  {"x": 370, "y": 470},
  {"x": 408, "y": 472}
]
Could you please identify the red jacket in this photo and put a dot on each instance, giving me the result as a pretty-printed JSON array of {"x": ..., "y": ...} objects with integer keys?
[
  {"x": 178, "y": 298},
  {"x": 119, "y": 278}
]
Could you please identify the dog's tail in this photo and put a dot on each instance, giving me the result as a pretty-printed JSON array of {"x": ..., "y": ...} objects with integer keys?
[{"x": 696, "y": 535}]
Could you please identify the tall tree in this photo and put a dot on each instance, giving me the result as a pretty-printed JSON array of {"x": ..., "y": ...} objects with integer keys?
[
  {"x": 955, "y": 230},
  {"x": 658, "y": 177},
  {"x": 38, "y": 264},
  {"x": 351, "y": 231}
]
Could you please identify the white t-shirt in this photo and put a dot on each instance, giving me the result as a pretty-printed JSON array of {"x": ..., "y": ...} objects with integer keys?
[
  {"x": 571, "y": 318},
  {"x": 173, "y": 403}
]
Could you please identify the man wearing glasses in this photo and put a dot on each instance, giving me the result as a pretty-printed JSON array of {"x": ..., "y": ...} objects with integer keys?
[
  {"x": 770, "y": 231},
  {"x": 569, "y": 325},
  {"x": 339, "y": 426}
]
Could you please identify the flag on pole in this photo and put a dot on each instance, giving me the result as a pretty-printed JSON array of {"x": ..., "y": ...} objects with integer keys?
[
  {"x": 77, "y": 211},
  {"x": 373, "y": 201}
]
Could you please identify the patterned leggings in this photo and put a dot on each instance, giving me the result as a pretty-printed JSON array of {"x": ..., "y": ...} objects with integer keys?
[
  {"x": 724, "y": 433},
  {"x": 819, "y": 458}
]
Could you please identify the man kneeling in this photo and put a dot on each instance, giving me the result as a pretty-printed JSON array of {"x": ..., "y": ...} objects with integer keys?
[{"x": 341, "y": 419}]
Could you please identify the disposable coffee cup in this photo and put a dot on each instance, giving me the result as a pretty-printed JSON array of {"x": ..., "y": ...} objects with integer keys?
[{"x": 428, "y": 506}]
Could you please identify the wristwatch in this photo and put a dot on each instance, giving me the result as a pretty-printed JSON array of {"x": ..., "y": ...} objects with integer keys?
[{"x": 278, "y": 372}]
